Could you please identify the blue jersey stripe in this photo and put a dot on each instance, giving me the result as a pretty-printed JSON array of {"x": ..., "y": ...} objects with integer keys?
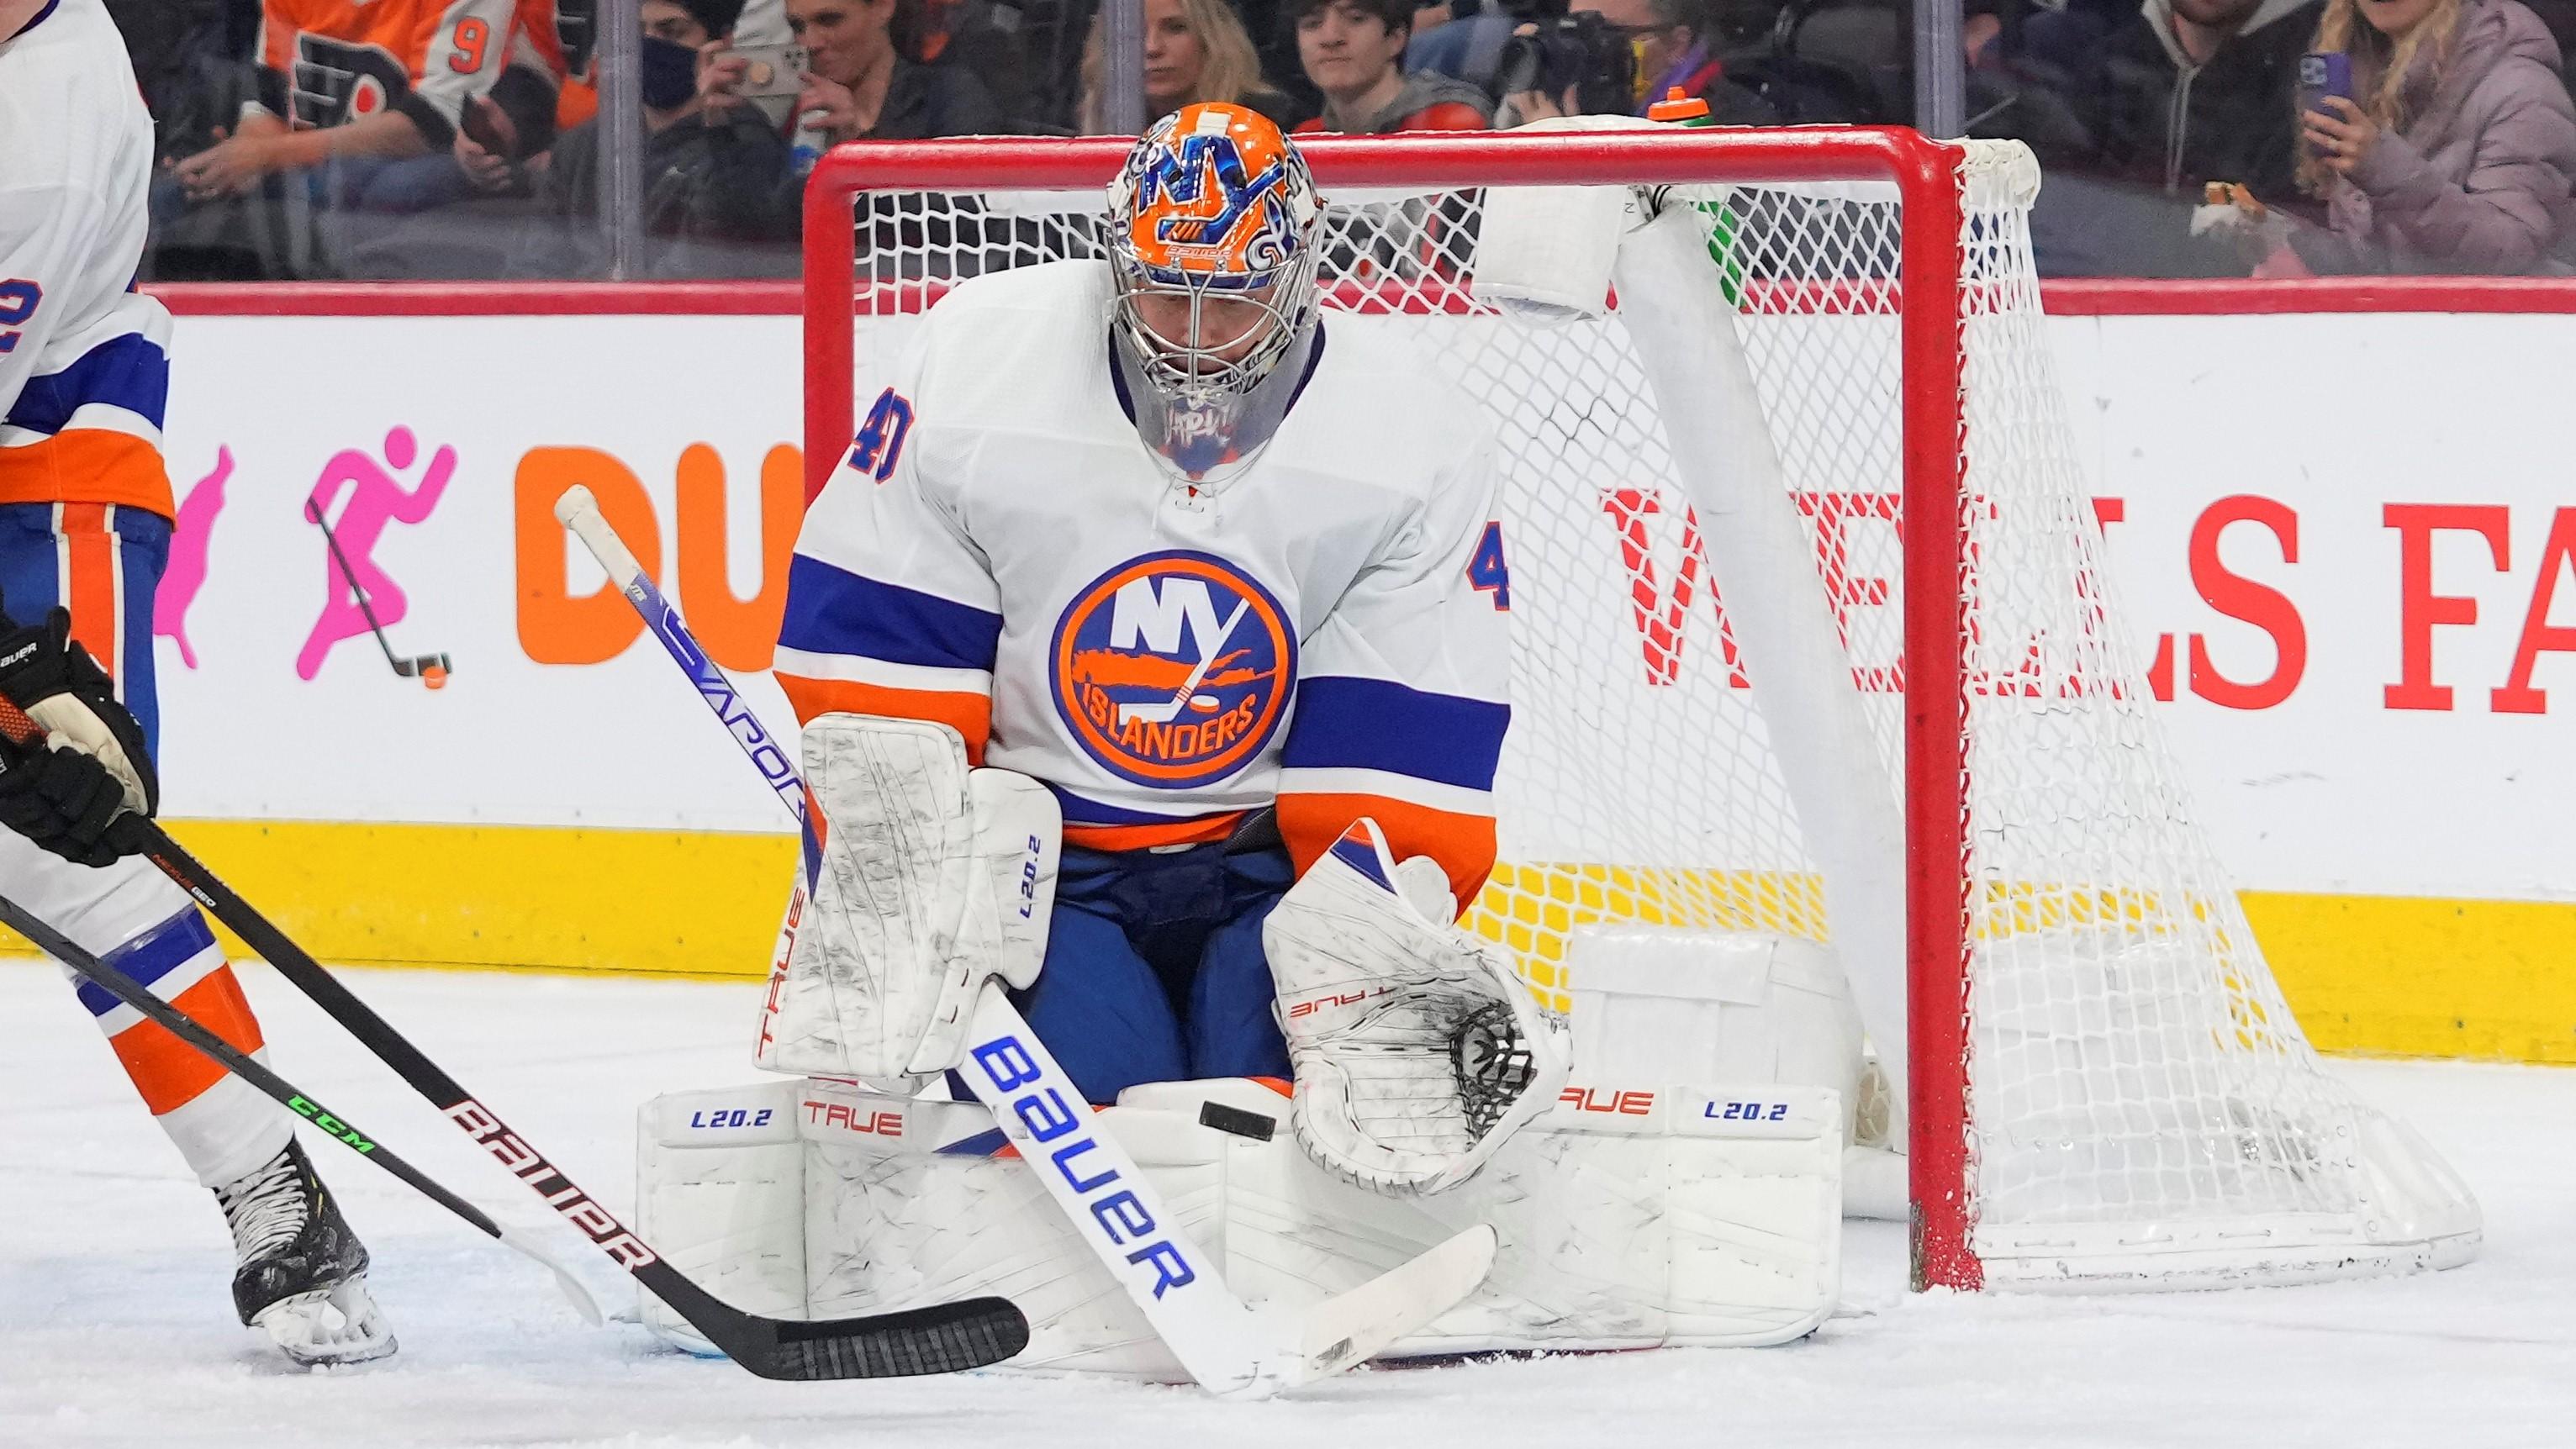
[
  {"x": 154, "y": 954},
  {"x": 834, "y": 611},
  {"x": 1372, "y": 724},
  {"x": 1080, "y": 810},
  {"x": 130, "y": 372}
]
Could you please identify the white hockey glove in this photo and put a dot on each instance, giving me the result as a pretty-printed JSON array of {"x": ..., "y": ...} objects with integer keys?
[
  {"x": 1417, "y": 1048},
  {"x": 934, "y": 879}
]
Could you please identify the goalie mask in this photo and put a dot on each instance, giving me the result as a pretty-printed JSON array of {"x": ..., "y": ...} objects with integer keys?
[{"x": 1212, "y": 250}]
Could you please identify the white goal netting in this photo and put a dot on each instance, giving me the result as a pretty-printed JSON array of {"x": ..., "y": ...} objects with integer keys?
[{"x": 2142, "y": 1107}]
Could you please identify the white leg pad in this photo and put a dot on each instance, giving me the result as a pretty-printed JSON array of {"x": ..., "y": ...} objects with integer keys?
[
  {"x": 720, "y": 1193},
  {"x": 894, "y": 1221},
  {"x": 1672, "y": 1005},
  {"x": 1629, "y": 1217}
]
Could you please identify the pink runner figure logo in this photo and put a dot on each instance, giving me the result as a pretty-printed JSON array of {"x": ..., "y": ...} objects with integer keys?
[
  {"x": 186, "y": 572},
  {"x": 376, "y": 498}
]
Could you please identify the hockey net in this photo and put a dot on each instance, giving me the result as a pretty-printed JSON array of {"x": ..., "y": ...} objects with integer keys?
[{"x": 2106, "y": 1087}]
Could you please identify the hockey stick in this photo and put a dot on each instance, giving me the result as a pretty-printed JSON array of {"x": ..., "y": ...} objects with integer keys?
[
  {"x": 1229, "y": 1348},
  {"x": 334, "y": 1126},
  {"x": 944, "y": 1338}
]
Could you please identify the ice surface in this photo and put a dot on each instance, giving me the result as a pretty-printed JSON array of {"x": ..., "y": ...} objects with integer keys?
[{"x": 115, "y": 1327}]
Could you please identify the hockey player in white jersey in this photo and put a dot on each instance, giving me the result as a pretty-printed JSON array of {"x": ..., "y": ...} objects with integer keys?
[
  {"x": 1227, "y": 582},
  {"x": 85, "y": 522},
  {"x": 1151, "y": 644}
]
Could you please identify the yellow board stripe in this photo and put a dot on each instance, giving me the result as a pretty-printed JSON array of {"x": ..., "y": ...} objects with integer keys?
[
  {"x": 699, "y": 903},
  {"x": 2421, "y": 976},
  {"x": 2402, "y": 976}
]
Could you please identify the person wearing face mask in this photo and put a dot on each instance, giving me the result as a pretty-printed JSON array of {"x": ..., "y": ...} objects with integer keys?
[{"x": 709, "y": 173}]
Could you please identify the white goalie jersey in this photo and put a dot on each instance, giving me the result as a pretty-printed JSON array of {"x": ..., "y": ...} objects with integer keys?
[{"x": 1328, "y": 629}]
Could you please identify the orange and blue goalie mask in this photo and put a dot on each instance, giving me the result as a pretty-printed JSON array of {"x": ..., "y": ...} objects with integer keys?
[{"x": 1212, "y": 239}]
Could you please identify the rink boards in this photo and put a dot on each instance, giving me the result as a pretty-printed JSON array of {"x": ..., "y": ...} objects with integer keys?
[{"x": 2352, "y": 599}]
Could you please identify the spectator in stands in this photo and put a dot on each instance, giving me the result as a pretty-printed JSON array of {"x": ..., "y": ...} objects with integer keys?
[
  {"x": 348, "y": 88},
  {"x": 986, "y": 37},
  {"x": 261, "y": 158},
  {"x": 497, "y": 133},
  {"x": 2180, "y": 93},
  {"x": 1670, "y": 40},
  {"x": 2460, "y": 153},
  {"x": 2201, "y": 90},
  {"x": 859, "y": 83},
  {"x": 1670, "y": 51},
  {"x": 1353, "y": 51},
  {"x": 709, "y": 174},
  {"x": 183, "y": 50},
  {"x": 1195, "y": 50}
]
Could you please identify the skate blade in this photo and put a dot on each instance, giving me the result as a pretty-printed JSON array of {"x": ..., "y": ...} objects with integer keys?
[{"x": 328, "y": 1327}]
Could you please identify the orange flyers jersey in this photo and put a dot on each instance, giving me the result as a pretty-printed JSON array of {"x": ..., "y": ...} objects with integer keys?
[
  {"x": 1327, "y": 631},
  {"x": 84, "y": 358},
  {"x": 344, "y": 60}
]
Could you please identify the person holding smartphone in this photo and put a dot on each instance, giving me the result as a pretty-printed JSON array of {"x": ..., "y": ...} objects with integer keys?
[
  {"x": 2455, "y": 151},
  {"x": 709, "y": 170},
  {"x": 858, "y": 82}
]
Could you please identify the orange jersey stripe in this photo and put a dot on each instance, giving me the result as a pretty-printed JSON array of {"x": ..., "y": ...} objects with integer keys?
[
  {"x": 1145, "y": 837},
  {"x": 87, "y": 465},
  {"x": 89, "y": 582},
  {"x": 169, "y": 1072},
  {"x": 1463, "y": 844},
  {"x": 970, "y": 715}
]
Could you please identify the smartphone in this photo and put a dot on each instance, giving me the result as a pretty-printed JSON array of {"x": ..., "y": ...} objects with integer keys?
[
  {"x": 2324, "y": 73},
  {"x": 770, "y": 70},
  {"x": 476, "y": 122}
]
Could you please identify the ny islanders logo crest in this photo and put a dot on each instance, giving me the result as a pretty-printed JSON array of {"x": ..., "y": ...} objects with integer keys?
[{"x": 1173, "y": 669}]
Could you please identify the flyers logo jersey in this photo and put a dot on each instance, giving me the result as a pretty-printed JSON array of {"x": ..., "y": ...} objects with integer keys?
[
  {"x": 345, "y": 60},
  {"x": 1174, "y": 669}
]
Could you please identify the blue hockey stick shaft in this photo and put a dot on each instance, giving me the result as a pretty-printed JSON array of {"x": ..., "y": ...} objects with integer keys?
[{"x": 579, "y": 511}]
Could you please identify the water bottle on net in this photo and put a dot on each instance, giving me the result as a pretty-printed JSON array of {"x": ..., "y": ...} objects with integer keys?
[{"x": 1679, "y": 109}]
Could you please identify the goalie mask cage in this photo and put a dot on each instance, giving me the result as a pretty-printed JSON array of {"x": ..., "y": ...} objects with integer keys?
[{"x": 1811, "y": 638}]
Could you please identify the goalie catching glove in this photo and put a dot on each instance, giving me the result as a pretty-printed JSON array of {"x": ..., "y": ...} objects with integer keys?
[
  {"x": 65, "y": 790},
  {"x": 934, "y": 878},
  {"x": 1418, "y": 1050}
]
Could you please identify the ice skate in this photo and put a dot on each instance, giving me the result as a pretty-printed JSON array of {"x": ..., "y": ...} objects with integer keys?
[{"x": 302, "y": 1275}]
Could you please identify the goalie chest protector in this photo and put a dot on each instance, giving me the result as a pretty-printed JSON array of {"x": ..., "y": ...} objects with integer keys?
[{"x": 999, "y": 526}]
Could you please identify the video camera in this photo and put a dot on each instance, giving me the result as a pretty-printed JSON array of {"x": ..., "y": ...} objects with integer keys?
[{"x": 1505, "y": 46}]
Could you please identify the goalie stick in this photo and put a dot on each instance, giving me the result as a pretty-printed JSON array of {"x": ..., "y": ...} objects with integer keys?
[
  {"x": 944, "y": 1338},
  {"x": 1227, "y": 1347}
]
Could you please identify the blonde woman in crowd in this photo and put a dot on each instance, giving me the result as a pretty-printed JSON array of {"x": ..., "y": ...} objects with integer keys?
[
  {"x": 2457, "y": 152},
  {"x": 1195, "y": 50}
]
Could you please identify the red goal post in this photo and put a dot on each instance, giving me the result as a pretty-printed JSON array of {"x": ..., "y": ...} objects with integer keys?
[{"x": 1948, "y": 909}]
